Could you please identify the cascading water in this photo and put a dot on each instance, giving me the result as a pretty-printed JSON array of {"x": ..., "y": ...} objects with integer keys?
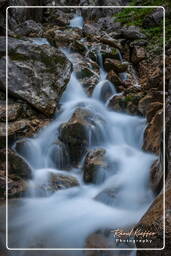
[{"x": 64, "y": 219}]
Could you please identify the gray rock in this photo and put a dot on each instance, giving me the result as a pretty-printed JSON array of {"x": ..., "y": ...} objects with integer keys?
[
  {"x": 153, "y": 19},
  {"x": 28, "y": 28},
  {"x": 132, "y": 34},
  {"x": 38, "y": 74}
]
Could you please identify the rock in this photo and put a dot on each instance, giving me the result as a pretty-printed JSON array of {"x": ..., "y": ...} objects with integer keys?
[
  {"x": 38, "y": 74},
  {"x": 87, "y": 72},
  {"x": 152, "y": 221},
  {"x": 109, "y": 52},
  {"x": 61, "y": 182},
  {"x": 110, "y": 41},
  {"x": 116, "y": 65},
  {"x": 156, "y": 177},
  {"x": 94, "y": 161},
  {"x": 107, "y": 24},
  {"x": 57, "y": 16},
  {"x": 107, "y": 196},
  {"x": 78, "y": 46},
  {"x": 74, "y": 135},
  {"x": 29, "y": 28},
  {"x": 114, "y": 78},
  {"x": 138, "y": 54},
  {"x": 153, "y": 133},
  {"x": 19, "y": 15},
  {"x": 14, "y": 111},
  {"x": 62, "y": 37},
  {"x": 132, "y": 34},
  {"x": 56, "y": 182},
  {"x": 20, "y": 129},
  {"x": 153, "y": 19},
  {"x": 139, "y": 42},
  {"x": 144, "y": 103},
  {"x": 90, "y": 30},
  {"x": 16, "y": 186},
  {"x": 16, "y": 164},
  {"x": 152, "y": 110},
  {"x": 128, "y": 103},
  {"x": 104, "y": 239}
]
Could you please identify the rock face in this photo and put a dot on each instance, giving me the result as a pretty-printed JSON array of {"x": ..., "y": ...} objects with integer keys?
[
  {"x": 153, "y": 133},
  {"x": 37, "y": 74},
  {"x": 94, "y": 160},
  {"x": 153, "y": 222}
]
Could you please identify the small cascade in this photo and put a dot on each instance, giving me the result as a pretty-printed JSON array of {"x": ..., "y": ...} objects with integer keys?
[
  {"x": 77, "y": 22},
  {"x": 123, "y": 75}
]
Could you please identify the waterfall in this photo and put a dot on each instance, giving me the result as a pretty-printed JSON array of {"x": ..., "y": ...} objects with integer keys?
[{"x": 64, "y": 219}]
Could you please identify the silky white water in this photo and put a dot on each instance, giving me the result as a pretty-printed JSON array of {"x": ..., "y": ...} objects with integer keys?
[{"x": 65, "y": 218}]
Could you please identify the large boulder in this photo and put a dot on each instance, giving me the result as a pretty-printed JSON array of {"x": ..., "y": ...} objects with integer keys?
[
  {"x": 37, "y": 74},
  {"x": 94, "y": 161},
  {"x": 74, "y": 134},
  {"x": 82, "y": 128}
]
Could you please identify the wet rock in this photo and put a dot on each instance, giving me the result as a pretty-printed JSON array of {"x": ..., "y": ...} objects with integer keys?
[
  {"x": 38, "y": 74},
  {"x": 74, "y": 134},
  {"x": 153, "y": 133},
  {"x": 16, "y": 186},
  {"x": 114, "y": 78},
  {"x": 152, "y": 221},
  {"x": 107, "y": 196},
  {"x": 132, "y": 34},
  {"x": 63, "y": 37},
  {"x": 94, "y": 160},
  {"x": 138, "y": 54},
  {"x": 16, "y": 164},
  {"x": 14, "y": 111},
  {"x": 153, "y": 19},
  {"x": 87, "y": 72},
  {"x": 29, "y": 28},
  {"x": 56, "y": 182},
  {"x": 116, "y": 65}
]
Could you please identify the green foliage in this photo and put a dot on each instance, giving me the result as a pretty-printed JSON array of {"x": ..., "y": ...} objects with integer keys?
[{"x": 136, "y": 16}]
